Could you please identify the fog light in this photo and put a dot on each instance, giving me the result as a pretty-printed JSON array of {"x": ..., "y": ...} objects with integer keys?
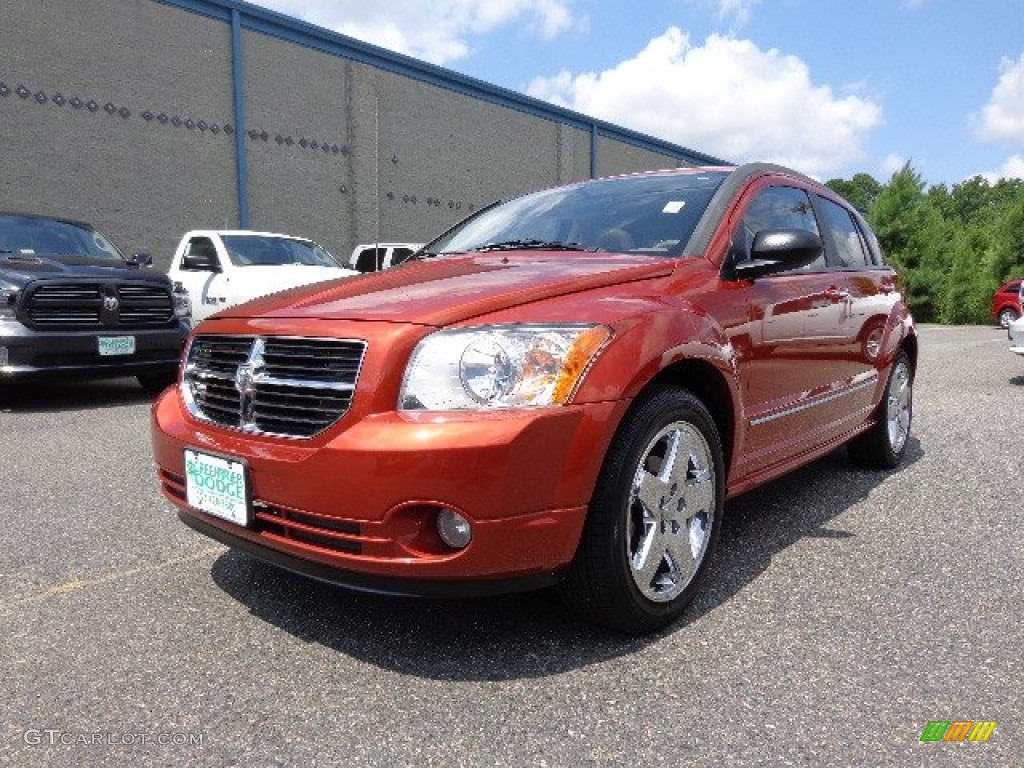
[
  {"x": 453, "y": 528},
  {"x": 4, "y": 358}
]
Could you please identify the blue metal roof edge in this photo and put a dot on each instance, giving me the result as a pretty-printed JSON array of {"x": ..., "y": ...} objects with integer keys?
[{"x": 303, "y": 33}]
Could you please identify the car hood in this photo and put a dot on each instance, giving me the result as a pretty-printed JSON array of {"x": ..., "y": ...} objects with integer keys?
[
  {"x": 20, "y": 269},
  {"x": 263, "y": 278},
  {"x": 445, "y": 290}
]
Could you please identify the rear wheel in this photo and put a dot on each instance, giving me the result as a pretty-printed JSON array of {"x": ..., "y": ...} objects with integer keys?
[
  {"x": 884, "y": 444},
  {"x": 1007, "y": 316},
  {"x": 654, "y": 519}
]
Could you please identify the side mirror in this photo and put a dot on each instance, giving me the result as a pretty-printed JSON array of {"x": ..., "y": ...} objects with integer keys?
[
  {"x": 201, "y": 262},
  {"x": 773, "y": 251},
  {"x": 141, "y": 260}
]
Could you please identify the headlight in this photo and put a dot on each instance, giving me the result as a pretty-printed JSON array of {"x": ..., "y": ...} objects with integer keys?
[
  {"x": 182, "y": 302},
  {"x": 499, "y": 366},
  {"x": 8, "y": 304}
]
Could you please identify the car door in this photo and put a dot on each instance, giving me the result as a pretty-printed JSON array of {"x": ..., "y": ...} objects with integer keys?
[
  {"x": 865, "y": 292},
  {"x": 794, "y": 340}
]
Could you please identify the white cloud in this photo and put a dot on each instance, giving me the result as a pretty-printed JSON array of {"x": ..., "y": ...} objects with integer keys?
[
  {"x": 891, "y": 163},
  {"x": 1002, "y": 119},
  {"x": 738, "y": 11},
  {"x": 728, "y": 98},
  {"x": 438, "y": 32},
  {"x": 734, "y": 12},
  {"x": 1013, "y": 168}
]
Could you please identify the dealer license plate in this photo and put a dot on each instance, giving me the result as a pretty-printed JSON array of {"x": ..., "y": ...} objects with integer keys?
[
  {"x": 116, "y": 345},
  {"x": 217, "y": 486}
]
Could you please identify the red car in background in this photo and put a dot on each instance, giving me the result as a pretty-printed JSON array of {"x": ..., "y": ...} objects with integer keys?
[
  {"x": 1006, "y": 304},
  {"x": 562, "y": 389}
]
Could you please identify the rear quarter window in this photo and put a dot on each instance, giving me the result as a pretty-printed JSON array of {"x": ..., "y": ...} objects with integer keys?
[{"x": 847, "y": 241}]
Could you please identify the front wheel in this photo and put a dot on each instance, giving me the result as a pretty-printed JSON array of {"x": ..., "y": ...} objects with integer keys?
[
  {"x": 155, "y": 383},
  {"x": 1007, "y": 316},
  {"x": 654, "y": 519}
]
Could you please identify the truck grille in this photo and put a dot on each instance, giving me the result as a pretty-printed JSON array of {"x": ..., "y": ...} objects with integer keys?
[
  {"x": 95, "y": 304},
  {"x": 275, "y": 385}
]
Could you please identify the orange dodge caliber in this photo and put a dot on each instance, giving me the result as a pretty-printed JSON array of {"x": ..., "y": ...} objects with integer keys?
[{"x": 562, "y": 389}]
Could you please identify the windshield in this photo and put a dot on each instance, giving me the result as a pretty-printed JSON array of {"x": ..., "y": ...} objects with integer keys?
[
  {"x": 654, "y": 214},
  {"x": 264, "y": 250},
  {"x": 33, "y": 236}
]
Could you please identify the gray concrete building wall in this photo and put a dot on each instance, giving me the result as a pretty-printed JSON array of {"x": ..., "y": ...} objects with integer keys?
[
  {"x": 115, "y": 113},
  {"x": 299, "y": 140},
  {"x": 347, "y": 153},
  {"x": 616, "y": 157},
  {"x": 122, "y": 113},
  {"x": 444, "y": 154}
]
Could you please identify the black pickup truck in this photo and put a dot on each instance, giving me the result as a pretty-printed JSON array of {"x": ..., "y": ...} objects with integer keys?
[{"x": 72, "y": 303}]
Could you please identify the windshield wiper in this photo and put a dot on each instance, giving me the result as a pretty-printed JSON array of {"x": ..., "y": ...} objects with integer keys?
[{"x": 531, "y": 245}]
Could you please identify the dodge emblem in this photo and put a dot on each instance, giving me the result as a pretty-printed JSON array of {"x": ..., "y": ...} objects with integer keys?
[{"x": 245, "y": 381}]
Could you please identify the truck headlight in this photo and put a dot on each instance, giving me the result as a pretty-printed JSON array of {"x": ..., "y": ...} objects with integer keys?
[
  {"x": 8, "y": 304},
  {"x": 499, "y": 366},
  {"x": 182, "y": 302}
]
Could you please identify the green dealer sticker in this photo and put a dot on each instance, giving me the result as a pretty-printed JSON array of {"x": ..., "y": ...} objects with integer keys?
[{"x": 217, "y": 486}]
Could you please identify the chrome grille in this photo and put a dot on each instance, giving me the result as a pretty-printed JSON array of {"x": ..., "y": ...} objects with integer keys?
[
  {"x": 81, "y": 305},
  {"x": 288, "y": 386}
]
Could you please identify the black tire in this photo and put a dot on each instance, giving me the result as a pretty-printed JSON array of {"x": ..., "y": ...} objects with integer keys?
[
  {"x": 640, "y": 562},
  {"x": 155, "y": 383},
  {"x": 884, "y": 445},
  {"x": 1006, "y": 316}
]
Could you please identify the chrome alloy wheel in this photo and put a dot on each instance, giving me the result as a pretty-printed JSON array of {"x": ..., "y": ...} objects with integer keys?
[
  {"x": 898, "y": 406},
  {"x": 670, "y": 512}
]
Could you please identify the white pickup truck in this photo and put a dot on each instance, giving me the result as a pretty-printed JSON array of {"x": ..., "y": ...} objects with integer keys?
[
  {"x": 372, "y": 257},
  {"x": 221, "y": 268}
]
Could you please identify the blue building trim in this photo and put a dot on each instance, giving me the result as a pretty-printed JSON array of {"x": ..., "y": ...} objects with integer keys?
[
  {"x": 286, "y": 28},
  {"x": 238, "y": 93}
]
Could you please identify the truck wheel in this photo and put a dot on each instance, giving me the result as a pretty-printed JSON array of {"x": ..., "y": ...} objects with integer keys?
[
  {"x": 654, "y": 518},
  {"x": 155, "y": 383}
]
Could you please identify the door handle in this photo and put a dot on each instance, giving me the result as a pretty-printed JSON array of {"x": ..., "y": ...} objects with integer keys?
[{"x": 835, "y": 295}]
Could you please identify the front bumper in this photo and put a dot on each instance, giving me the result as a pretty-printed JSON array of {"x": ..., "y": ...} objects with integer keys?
[
  {"x": 26, "y": 352},
  {"x": 357, "y": 506}
]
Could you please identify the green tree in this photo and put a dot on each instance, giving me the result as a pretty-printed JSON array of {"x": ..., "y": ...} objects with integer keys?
[
  {"x": 861, "y": 191},
  {"x": 970, "y": 284},
  {"x": 1007, "y": 254},
  {"x": 953, "y": 246},
  {"x": 916, "y": 238}
]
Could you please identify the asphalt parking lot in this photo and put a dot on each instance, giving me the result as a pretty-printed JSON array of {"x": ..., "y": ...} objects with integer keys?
[{"x": 846, "y": 610}]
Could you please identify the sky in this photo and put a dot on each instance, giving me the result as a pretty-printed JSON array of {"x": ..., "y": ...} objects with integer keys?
[{"x": 829, "y": 87}]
